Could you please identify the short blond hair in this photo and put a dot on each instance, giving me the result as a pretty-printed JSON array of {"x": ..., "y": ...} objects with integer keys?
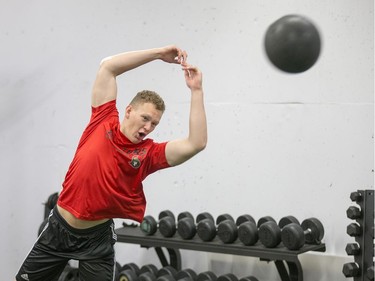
[{"x": 147, "y": 96}]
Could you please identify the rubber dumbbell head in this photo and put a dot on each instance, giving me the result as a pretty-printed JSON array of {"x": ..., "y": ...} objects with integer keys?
[
  {"x": 354, "y": 229},
  {"x": 287, "y": 220},
  {"x": 261, "y": 221},
  {"x": 247, "y": 230},
  {"x": 149, "y": 225},
  {"x": 128, "y": 272},
  {"x": 356, "y": 196},
  {"x": 267, "y": 230},
  {"x": 264, "y": 219},
  {"x": 244, "y": 218},
  {"x": 166, "y": 273},
  {"x": 353, "y": 212},
  {"x": 270, "y": 232},
  {"x": 294, "y": 236},
  {"x": 227, "y": 277},
  {"x": 186, "y": 227},
  {"x": 148, "y": 272},
  {"x": 226, "y": 228},
  {"x": 167, "y": 223},
  {"x": 352, "y": 249},
  {"x": 206, "y": 229},
  {"x": 313, "y": 230},
  {"x": 207, "y": 276},
  {"x": 186, "y": 275},
  {"x": 351, "y": 269}
]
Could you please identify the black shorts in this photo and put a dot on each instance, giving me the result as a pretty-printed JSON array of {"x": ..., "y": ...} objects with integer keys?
[{"x": 59, "y": 242}]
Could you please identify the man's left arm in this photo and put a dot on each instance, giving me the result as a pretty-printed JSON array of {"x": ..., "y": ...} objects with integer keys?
[{"x": 179, "y": 151}]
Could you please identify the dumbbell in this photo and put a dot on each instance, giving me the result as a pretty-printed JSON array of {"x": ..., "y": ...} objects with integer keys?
[
  {"x": 186, "y": 227},
  {"x": 167, "y": 273},
  {"x": 270, "y": 232},
  {"x": 247, "y": 230},
  {"x": 207, "y": 230},
  {"x": 354, "y": 229},
  {"x": 232, "y": 277},
  {"x": 294, "y": 236},
  {"x": 149, "y": 225},
  {"x": 351, "y": 269},
  {"x": 244, "y": 228},
  {"x": 147, "y": 272},
  {"x": 227, "y": 277},
  {"x": 206, "y": 276},
  {"x": 186, "y": 275},
  {"x": 226, "y": 228},
  {"x": 356, "y": 196},
  {"x": 267, "y": 231},
  {"x": 205, "y": 226},
  {"x": 352, "y": 249},
  {"x": 167, "y": 224},
  {"x": 353, "y": 212},
  {"x": 128, "y": 272},
  {"x": 131, "y": 272}
]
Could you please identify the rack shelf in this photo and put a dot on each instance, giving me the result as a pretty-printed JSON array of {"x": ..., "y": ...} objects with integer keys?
[{"x": 286, "y": 261}]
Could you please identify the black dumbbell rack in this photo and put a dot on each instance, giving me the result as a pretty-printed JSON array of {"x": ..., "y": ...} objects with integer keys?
[
  {"x": 286, "y": 261},
  {"x": 363, "y": 267}
]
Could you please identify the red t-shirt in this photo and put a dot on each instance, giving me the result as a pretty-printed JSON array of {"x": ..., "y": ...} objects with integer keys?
[{"x": 105, "y": 177}]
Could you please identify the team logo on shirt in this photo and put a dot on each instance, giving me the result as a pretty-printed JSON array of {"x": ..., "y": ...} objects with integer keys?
[{"x": 135, "y": 162}]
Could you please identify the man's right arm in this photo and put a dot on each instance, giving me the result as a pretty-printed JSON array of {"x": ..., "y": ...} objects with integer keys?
[{"x": 105, "y": 86}]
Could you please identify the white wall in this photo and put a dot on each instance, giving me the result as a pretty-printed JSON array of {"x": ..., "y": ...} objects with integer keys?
[{"x": 279, "y": 144}]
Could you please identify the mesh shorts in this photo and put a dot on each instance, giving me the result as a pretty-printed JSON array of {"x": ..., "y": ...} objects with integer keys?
[{"x": 59, "y": 242}]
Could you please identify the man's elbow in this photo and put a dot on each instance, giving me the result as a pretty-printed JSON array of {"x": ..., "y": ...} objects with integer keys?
[
  {"x": 201, "y": 145},
  {"x": 104, "y": 62}
]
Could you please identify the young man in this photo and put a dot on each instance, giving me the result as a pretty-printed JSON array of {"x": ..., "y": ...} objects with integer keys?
[{"x": 104, "y": 180}]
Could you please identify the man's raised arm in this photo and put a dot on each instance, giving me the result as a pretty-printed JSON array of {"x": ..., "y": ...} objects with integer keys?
[
  {"x": 179, "y": 151},
  {"x": 105, "y": 86}
]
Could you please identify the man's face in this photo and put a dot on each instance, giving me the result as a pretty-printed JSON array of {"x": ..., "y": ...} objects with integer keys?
[{"x": 140, "y": 120}]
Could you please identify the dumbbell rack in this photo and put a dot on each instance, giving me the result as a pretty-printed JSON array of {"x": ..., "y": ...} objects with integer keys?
[
  {"x": 364, "y": 261},
  {"x": 286, "y": 261}
]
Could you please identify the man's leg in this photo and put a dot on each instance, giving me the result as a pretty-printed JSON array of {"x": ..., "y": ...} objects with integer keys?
[
  {"x": 98, "y": 270},
  {"x": 40, "y": 266}
]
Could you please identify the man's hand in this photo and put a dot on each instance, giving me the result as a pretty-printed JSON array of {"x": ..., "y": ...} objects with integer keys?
[
  {"x": 193, "y": 76},
  {"x": 173, "y": 54}
]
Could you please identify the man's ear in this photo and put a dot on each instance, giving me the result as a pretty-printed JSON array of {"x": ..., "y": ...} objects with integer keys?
[{"x": 128, "y": 109}]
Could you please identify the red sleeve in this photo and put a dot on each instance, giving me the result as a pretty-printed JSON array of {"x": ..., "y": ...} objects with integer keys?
[
  {"x": 158, "y": 160},
  {"x": 100, "y": 114}
]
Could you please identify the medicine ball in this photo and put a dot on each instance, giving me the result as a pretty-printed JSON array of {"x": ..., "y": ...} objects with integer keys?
[{"x": 292, "y": 43}]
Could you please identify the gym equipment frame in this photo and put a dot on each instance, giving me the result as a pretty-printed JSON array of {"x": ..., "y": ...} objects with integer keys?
[{"x": 286, "y": 261}]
